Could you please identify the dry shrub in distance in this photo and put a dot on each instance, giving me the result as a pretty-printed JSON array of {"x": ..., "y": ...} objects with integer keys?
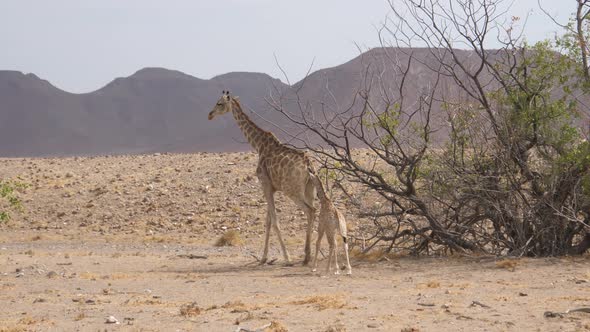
[
  {"x": 230, "y": 238},
  {"x": 371, "y": 256},
  {"x": 190, "y": 310},
  {"x": 236, "y": 306},
  {"x": 508, "y": 264}
]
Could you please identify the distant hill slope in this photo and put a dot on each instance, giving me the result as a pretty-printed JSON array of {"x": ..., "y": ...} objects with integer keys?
[
  {"x": 154, "y": 109},
  {"x": 160, "y": 110}
]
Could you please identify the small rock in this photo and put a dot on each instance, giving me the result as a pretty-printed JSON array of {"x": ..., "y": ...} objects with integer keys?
[
  {"x": 51, "y": 274},
  {"x": 372, "y": 326},
  {"x": 112, "y": 320}
]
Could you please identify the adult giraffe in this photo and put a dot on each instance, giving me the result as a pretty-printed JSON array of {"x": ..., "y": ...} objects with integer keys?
[{"x": 280, "y": 168}]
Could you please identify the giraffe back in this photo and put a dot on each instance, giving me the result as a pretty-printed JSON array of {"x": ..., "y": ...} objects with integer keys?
[{"x": 287, "y": 168}]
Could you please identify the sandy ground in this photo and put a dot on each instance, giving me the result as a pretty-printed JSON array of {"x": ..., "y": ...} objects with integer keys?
[{"x": 133, "y": 238}]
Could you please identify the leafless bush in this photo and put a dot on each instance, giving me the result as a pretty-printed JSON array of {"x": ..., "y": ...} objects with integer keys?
[{"x": 486, "y": 157}]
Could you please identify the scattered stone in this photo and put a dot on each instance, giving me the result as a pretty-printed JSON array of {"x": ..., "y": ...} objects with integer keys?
[
  {"x": 427, "y": 304},
  {"x": 477, "y": 303},
  {"x": 52, "y": 274},
  {"x": 112, "y": 320},
  {"x": 193, "y": 256}
]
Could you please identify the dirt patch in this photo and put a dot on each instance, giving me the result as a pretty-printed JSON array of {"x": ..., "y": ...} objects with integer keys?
[
  {"x": 323, "y": 302},
  {"x": 129, "y": 241}
]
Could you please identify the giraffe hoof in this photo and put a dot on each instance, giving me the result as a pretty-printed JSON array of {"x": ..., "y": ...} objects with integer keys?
[
  {"x": 262, "y": 261},
  {"x": 289, "y": 264},
  {"x": 337, "y": 272}
]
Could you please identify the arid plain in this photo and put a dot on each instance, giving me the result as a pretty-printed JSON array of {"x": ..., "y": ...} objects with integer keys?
[{"x": 128, "y": 243}]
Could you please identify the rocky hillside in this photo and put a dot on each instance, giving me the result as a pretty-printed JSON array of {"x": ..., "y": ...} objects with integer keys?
[{"x": 160, "y": 110}]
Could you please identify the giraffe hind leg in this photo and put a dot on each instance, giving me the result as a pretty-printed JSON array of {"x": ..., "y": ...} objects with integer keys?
[{"x": 310, "y": 212}]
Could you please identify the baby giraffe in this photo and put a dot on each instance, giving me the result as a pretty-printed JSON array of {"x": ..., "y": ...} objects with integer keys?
[{"x": 330, "y": 221}]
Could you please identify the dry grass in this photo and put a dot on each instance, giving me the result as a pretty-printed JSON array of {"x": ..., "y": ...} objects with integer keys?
[
  {"x": 276, "y": 327},
  {"x": 238, "y": 306},
  {"x": 24, "y": 324},
  {"x": 430, "y": 284},
  {"x": 371, "y": 256},
  {"x": 117, "y": 276},
  {"x": 323, "y": 302},
  {"x": 154, "y": 239},
  {"x": 230, "y": 238},
  {"x": 88, "y": 275},
  {"x": 336, "y": 328},
  {"x": 80, "y": 316},
  {"x": 28, "y": 320},
  {"x": 14, "y": 329},
  {"x": 508, "y": 264},
  {"x": 190, "y": 310}
]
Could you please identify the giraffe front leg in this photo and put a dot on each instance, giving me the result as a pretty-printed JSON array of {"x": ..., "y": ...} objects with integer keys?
[
  {"x": 283, "y": 247},
  {"x": 317, "y": 249},
  {"x": 348, "y": 267},
  {"x": 266, "y": 238},
  {"x": 330, "y": 255},
  {"x": 336, "y": 257},
  {"x": 272, "y": 217}
]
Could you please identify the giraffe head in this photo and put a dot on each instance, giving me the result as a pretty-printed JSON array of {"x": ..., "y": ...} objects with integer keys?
[{"x": 223, "y": 105}]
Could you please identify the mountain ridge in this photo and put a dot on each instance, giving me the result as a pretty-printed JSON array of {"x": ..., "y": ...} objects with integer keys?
[{"x": 163, "y": 110}]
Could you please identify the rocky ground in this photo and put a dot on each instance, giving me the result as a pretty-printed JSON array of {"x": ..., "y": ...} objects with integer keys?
[{"x": 127, "y": 243}]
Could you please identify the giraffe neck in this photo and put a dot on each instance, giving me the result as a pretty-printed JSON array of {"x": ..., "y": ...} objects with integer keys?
[
  {"x": 256, "y": 136},
  {"x": 319, "y": 187}
]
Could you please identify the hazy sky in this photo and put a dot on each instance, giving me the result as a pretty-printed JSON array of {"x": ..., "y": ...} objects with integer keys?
[{"x": 80, "y": 45}]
